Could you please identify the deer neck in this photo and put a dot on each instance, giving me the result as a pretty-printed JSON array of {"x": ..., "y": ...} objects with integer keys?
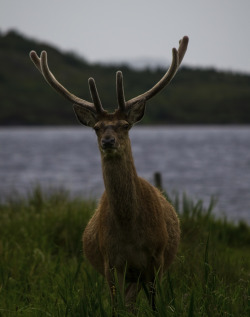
[{"x": 121, "y": 184}]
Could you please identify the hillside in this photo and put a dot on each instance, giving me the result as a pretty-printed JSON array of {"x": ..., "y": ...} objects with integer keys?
[{"x": 196, "y": 96}]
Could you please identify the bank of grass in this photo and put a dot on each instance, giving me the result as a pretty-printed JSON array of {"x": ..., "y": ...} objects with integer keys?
[{"x": 43, "y": 271}]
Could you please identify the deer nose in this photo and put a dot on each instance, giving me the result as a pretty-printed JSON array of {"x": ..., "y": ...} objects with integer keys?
[{"x": 108, "y": 142}]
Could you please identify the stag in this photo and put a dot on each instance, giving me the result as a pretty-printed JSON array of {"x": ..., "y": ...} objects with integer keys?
[{"x": 134, "y": 231}]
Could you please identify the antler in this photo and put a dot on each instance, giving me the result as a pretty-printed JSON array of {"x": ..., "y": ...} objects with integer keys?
[
  {"x": 124, "y": 106},
  {"x": 120, "y": 91},
  {"x": 176, "y": 61},
  {"x": 42, "y": 65}
]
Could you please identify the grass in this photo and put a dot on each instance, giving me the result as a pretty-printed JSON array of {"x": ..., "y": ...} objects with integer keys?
[{"x": 43, "y": 271}]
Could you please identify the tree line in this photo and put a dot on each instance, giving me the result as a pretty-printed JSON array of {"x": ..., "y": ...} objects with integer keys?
[{"x": 196, "y": 96}]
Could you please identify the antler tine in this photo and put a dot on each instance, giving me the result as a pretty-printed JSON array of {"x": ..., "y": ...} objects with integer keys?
[
  {"x": 177, "y": 57},
  {"x": 42, "y": 65},
  {"x": 95, "y": 96},
  {"x": 183, "y": 44},
  {"x": 36, "y": 60},
  {"x": 120, "y": 91}
]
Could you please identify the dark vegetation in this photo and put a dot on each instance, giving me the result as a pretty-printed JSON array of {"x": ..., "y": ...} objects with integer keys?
[
  {"x": 43, "y": 271},
  {"x": 197, "y": 96}
]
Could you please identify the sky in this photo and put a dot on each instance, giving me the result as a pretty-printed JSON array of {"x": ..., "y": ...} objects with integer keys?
[{"x": 113, "y": 30}]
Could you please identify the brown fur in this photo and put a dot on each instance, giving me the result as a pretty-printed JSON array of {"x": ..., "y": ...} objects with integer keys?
[{"x": 134, "y": 227}]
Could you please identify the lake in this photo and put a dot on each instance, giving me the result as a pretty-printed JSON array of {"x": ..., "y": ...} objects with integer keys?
[{"x": 202, "y": 161}]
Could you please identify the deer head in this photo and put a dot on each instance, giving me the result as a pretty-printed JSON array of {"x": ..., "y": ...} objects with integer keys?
[{"x": 92, "y": 114}]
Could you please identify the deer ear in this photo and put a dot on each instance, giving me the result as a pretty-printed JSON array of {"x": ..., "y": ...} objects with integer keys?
[
  {"x": 85, "y": 116},
  {"x": 136, "y": 112}
]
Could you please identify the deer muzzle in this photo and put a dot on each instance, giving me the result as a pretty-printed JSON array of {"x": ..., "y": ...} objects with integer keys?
[{"x": 108, "y": 142}]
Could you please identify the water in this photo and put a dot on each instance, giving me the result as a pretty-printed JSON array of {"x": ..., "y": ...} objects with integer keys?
[{"x": 201, "y": 161}]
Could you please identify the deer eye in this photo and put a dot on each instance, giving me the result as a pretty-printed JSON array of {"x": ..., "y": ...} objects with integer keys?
[
  {"x": 125, "y": 126},
  {"x": 96, "y": 128}
]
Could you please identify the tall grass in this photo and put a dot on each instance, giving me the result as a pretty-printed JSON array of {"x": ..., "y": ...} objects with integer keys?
[{"x": 43, "y": 271}]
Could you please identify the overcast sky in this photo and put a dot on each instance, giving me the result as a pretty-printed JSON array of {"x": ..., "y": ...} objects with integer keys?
[{"x": 101, "y": 30}]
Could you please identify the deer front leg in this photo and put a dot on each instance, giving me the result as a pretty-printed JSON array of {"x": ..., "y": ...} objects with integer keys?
[
  {"x": 114, "y": 279},
  {"x": 155, "y": 274},
  {"x": 152, "y": 295},
  {"x": 131, "y": 293},
  {"x": 109, "y": 275}
]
